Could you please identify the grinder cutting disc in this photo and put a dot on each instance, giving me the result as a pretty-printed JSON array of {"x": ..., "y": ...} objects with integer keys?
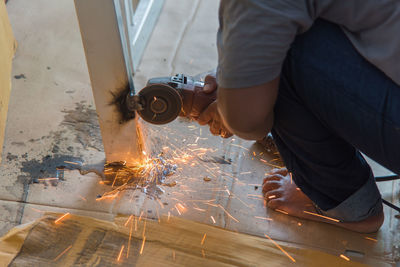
[{"x": 161, "y": 103}]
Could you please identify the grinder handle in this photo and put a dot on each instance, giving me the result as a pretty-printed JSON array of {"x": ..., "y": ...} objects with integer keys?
[{"x": 195, "y": 101}]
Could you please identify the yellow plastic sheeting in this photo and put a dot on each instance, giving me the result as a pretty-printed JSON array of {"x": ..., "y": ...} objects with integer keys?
[
  {"x": 7, "y": 49},
  {"x": 83, "y": 241}
]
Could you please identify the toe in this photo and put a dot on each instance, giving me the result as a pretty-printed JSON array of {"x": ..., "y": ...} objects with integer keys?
[
  {"x": 273, "y": 177},
  {"x": 281, "y": 171},
  {"x": 272, "y": 194},
  {"x": 271, "y": 185},
  {"x": 275, "y": 203}
]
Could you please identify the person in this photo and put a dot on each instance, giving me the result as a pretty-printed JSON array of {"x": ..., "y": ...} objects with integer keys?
[{"x": 324, "y": 77}]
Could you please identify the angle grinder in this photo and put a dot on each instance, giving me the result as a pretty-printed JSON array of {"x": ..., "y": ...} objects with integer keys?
[{"x": 165, "y": 98}]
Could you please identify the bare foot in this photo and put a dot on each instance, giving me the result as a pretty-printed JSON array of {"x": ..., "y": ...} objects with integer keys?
[{"x": 282, "y": 194}]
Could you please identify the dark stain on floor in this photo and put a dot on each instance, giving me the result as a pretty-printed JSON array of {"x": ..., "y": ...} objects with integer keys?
[
  {"x": 83, "y": 121},
  {"x": 216, "y": 159},
  {"x": 46, "y": 167},
  {"x": 11, "y": 157},
  {"x": 20, "y": 76}
]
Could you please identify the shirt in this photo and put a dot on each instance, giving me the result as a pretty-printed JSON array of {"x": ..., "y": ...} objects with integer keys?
[{"x": 255, "y": 35}]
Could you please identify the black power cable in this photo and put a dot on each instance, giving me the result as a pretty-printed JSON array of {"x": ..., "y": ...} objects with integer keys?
[
  {"x": 385, "y": 179},
  {"x": 387, "y": 203}
]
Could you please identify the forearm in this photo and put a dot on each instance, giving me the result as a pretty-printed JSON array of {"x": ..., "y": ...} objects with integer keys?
[{"x": 248, "y": 112}]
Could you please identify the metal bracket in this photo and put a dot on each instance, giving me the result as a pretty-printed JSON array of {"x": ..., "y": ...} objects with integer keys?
[{"x": 135, "y": 27}]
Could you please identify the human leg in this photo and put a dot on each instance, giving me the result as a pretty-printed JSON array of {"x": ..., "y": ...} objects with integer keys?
[{"x": 332, "y": 101}]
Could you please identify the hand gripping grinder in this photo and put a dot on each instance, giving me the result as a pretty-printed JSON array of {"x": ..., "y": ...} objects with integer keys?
[{"x": 165, "y": 98}]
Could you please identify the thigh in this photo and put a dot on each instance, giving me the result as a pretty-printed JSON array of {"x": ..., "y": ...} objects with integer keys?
[{"x": 347, "y": 94}]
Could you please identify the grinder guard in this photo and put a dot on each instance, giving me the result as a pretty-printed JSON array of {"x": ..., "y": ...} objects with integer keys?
[{"x": 165, "y": 98}]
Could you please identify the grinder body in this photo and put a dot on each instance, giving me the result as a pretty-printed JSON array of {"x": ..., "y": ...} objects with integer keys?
[{"x": 165, "y": 98}]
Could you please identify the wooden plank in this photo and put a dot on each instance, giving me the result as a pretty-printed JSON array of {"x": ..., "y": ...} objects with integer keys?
[
  {"x": 108, "y": 75},
  {"x": 7, "y": 49}
]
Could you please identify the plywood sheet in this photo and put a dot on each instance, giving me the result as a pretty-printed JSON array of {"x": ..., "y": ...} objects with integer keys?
[{"x": 129, "y": 241}]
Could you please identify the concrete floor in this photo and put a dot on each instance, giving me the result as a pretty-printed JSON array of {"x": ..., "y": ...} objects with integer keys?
[{"x": 52, "y": 119}]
